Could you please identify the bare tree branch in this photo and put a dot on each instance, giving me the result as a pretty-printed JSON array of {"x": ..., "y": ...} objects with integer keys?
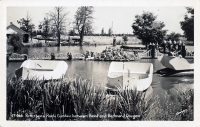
[
  {"x": 83, "y": 21},
  {"x": 59, "y": 17}
]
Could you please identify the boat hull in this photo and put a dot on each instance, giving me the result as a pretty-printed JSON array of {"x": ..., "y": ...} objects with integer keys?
[
  {"x": 176, "y": 63},
  {"x": 41, "y": 70},
  {"x": 133, "y": 76}
]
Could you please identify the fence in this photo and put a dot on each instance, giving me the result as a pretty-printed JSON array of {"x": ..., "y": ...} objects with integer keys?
[
  {"x": 40, "y": 56},
  {"x": 145, "y": 54}
]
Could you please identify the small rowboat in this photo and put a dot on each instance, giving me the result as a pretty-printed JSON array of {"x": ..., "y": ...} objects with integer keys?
[
  {"x": 41, "y": 69},
  {"x": 129, "y": 76}
]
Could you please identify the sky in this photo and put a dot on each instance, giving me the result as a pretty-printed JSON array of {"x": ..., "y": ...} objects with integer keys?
[{"x": 104, "y": 16}]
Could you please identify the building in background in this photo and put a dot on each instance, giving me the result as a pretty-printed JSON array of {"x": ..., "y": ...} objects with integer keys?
[{"x": 12, "y": 29}]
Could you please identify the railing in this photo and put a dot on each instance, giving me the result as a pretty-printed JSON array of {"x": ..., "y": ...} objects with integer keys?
[
  {"x": 61, "y": 56},
  {"x": 78, "y": 56},
  {"x": 16, "y": 56},
  {"x": 157, "y": 53},
  {"x": 133, "y": 50},
  {"x": 145, "y": 54},
  {"x": 40, "y": 55}
]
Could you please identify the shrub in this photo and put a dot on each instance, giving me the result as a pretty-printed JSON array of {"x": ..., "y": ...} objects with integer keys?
[
  {"x": 125, "y": 38},
  {"x": 15, "y": 40}
]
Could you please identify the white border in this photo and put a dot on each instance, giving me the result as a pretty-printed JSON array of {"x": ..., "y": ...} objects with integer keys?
[{"x": 3, "y": 7}]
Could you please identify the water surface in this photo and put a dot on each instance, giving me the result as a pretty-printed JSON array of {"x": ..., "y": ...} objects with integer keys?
[{"x": 96, "y": 71}]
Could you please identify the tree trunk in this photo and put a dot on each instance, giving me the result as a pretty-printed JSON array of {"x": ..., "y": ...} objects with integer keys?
[
  {"x": 81, "y": 36},
  {"x": 58, "y": 39},
  {"x": 81, "y": 40},
  {"x": 58, "y": 28}
]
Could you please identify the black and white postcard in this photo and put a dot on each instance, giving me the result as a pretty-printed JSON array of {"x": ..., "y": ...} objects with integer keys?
[{"x": 93, "y": 63}]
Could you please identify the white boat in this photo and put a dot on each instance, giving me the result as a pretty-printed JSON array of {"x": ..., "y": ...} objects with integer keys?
[
  {"x": 129, "y": 75},
  {"x": 42, "y": 69},
  {"x": 175, "y": 63}
]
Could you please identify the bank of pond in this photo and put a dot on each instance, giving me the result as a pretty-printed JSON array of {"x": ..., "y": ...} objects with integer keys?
[{"x": 109, "y": 54}]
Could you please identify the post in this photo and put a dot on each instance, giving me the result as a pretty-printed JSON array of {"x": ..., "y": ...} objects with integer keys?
[
  {"x": 169, "y": 46},
  {"x": 164, "y": 47},
  {"x": 183, "y": 51},
  {"x": 25, "y": 57},
  {"x": 52, "y": 56},
  {"x": 153, "y": 51}
]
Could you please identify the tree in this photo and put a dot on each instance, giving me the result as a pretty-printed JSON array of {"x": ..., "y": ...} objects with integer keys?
[
  {"x": 146, "y": 28},
  {"x": 45, "y": 26},
  {"x": 173, "y": 36},
  {"x": 27, "y": 25},
  {"x": 102, "y": 31},
  {"x": 34, "y": 33},
  {"x": 58, "y": 17},
  {"x": 71, "y": 32},
  {"x": 109, "y": 32},
  {"x": 125, "y": 38},
  {"x": 188, "y": 24},
  {"x": 83, "y": 21}
]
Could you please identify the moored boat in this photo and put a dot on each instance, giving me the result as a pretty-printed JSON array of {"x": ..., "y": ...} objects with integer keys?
[
  {"x": 175, "y": 63},
  {"x": 129, "y": 76},
  {"x": 41, "y": 69}
]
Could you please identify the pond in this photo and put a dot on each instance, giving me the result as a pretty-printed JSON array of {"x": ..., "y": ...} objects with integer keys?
[{"x": 96, "y": 71}]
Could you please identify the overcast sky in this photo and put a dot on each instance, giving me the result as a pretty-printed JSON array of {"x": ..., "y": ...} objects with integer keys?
[{"x": 122, "y": 17}]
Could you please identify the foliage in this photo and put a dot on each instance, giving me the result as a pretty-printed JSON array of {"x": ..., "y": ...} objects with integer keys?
[
  {"x": 173, "y": 36},
  {"x": 83, "y": 21},
  {"x": 125, "y": 38},
  {"x": 179, "y": 107},
  {"x": 146, "y": 28},
  {"x": 72, "y": 98},
  {"x": 15, "y": 40},
  {"x": 34, "y": 33},
  {"x": 45, "y": 26},
  {"x": 71, "y": 33},
  {"x": 58, "y": 17},
  {"x": 27, "y": 25},
  {"x": 109, "y": 32},
  {"x": 102, "y": 31},
  {"x": 188, "y": 24}
]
